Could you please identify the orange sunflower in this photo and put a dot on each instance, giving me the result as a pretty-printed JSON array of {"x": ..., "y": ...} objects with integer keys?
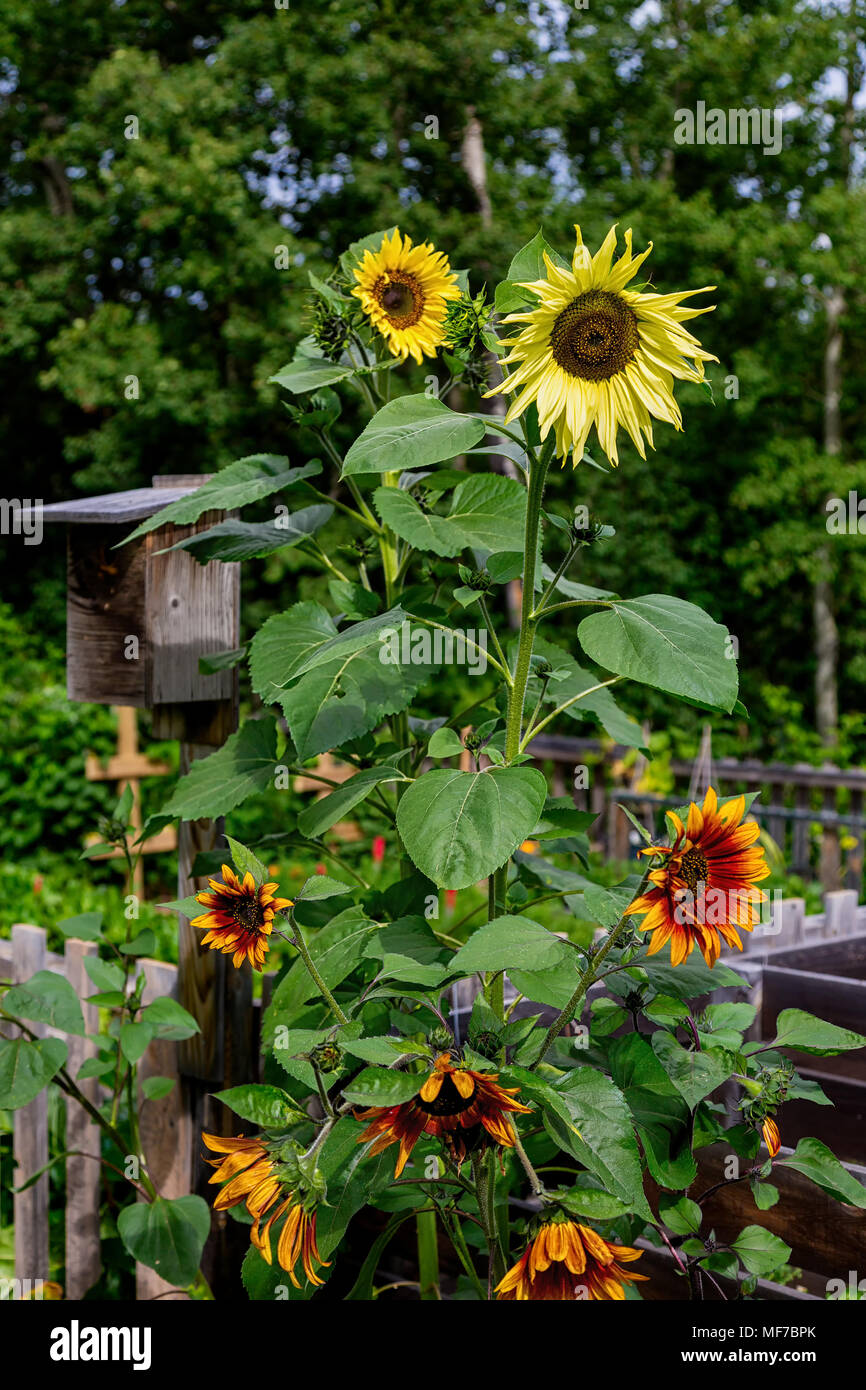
[
  {"x": 257, "y": 1178},
  {"x": 772, "y": 1138},
  {"x": 239, "y": 917},
  {"x": 458, "y": 1106},
  {"x": 705, "y": 889},
  {"x": 566, "y": 1261}
]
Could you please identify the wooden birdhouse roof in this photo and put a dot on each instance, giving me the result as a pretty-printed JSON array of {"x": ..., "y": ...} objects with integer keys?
[{"x": 118, "y": 507}]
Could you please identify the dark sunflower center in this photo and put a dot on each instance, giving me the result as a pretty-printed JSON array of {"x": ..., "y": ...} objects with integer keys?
[
  {"x": 401, "y": 297},
  {"x": 449, "y": 1100},
  {"x": 694, "y": 868},
  {"x": 595, "y": 336},
  {"x": 248, "y": 913}
]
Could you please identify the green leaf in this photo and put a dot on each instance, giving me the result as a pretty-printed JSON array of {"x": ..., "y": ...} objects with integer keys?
[
  {"x": 423, "y": 530},
  {"x": 246, "y": 862},
  {"x": 86, "y": 926},
  {"x": 187, "y": 907},
  {"x": 526, "y": 267},
  {"x": 445, "y": 743},
  {"x": 320, "y": 886},
  {"x": 220, "y": 782},
  {"x": 156, "y": 1087},
  {"x": 765, "y": 1195},
  {"x": 143, "y": 944},
  {"x": 510, "y": 942},
  {"x": 336, "y": 950},
  {"x": 352, "y": 258},
  {"x": 269, "y": 1107},
  {"x": 104, "y": 973},
  {"x": 458, "y": 827},
  {"x": 167, "y": 1235},
  {"x": 660, "y": 1113},
  {"x": 591, "y": 1202},
  {"x": 681, "y": 1215},
  {"x": 489, "y": 512},
  {"x": 309, "y": 374},
  {"x": 760, "y": 1251},
  {"x": 411, "y": 432},
  {"x": 135, "y": 1038},
  {"x": 322, "y": 814},
  {"x": 604, "y": 1140},
  {"x": 383, "y": 1086},
  {"x": 46, "y": 998},
  {"x": 281, "y": 644},
  {"x": 239, "y": 483},
  {"x": 815, "y": 1161},
  {"x": 805, "y": 1033},
  {"x": 233, "y": 540},
  {"x": 169, "y": 1020},
  {"x": 353, "y": 599},
  {"x": 600, "y": 707},
  {"x": 667, "y": 643},
  {"x": 26, "y": 1067},
  {"x": 695, "y": 1074}
]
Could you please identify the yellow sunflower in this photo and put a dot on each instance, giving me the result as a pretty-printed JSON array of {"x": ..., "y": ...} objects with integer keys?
[
  {"x": 403, "y": 290},
  {"x": 239, "y": 917},
  {"x": 594, "y": 353}
]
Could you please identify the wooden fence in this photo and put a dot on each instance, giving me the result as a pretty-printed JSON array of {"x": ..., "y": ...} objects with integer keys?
[{"x": 794, "y": 799}]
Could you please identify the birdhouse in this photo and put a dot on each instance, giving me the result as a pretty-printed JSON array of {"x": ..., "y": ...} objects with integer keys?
[{"x": 138, "y": 618}]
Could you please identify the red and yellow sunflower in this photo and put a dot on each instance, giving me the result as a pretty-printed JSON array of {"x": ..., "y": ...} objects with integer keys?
[
  {"x": 239, "y": 917},
  {"x": 566, "y": 1261},
  {"x": 772, "y": 1138},
  {"x": 257, "y": 1178},
  {"x": 463, "y": 1108},
  {"x": 705, "y": 889}
]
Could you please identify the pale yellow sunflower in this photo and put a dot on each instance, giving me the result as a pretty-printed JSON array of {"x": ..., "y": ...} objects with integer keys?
[
  {"x": 594, "y": 353},
  {"x": 403, "y": 290}
]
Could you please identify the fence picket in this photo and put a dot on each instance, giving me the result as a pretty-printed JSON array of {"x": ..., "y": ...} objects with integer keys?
[
  {"x": 83, "y": 1263},
  {"x": 30, "y": 1136}
]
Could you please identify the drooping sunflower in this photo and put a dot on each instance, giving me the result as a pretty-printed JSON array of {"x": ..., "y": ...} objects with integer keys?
[
  {"x": 567, "y": 1261},
  {"x": 239, "y": 917},
  {"x": 266, "y": 1183},
  {"x": 595, "y": 353},
  {"x": 771, "y": 1136},
  {"x": 463, "y": 1108},
  {"x": 404, "y": 290},
  {"x": 706, "y": 888}
]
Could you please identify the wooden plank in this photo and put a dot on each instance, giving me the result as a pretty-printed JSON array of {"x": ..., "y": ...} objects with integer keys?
[
  {"x": 800, "y": 846},
  {"x": 30, "y": 1133},
  {"x": 830, "y": 871},
  {"x": 83, "y": 1262},
  {"x": 105, "y": 605},
  {"x": 854, "y": 856},
  {"x": 840, "y": 913},
  {"x": 116, "y": 508},
  {"x": 166, "y": 1125}
]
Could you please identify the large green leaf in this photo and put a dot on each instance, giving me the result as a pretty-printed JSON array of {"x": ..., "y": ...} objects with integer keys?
[
  {"x": 326, "y": 812},
  {"x": 236, "y": 485},
  {"x": 459, "y": 827},
  {"x": 46, "y": 998},
  {"x": 695, "y": 1074},
  {"x": 422, "y": 529},
  {"x": 167, "y": 1235},
  {"x": 281, "y": 643},
  {"x": 336, "y": 950},
  {"x": 269, "y": 1107},
  {"x": 245, "y": 540},
  {"x": 489, "y": 512},
  {"x": 508, "y": 942},
  {"x": 218, "y": 783},
  {"x": 411, "y": 432},
  {"x": 383, "y": 1086},
  {"x": 667, "y": 643},
  {"x": 805, "y": 1033},
  {"x": 26, "y": 1067},
  {"x": 814, "y": 1160},
  {"x": 661, "y": 1116},
  {"x": 604, "y": 1141},
  {"x": 760, "y": 1251},
  {"x": 526, "y": 267}
]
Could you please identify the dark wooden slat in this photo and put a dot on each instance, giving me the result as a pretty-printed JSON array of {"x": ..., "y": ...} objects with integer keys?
[
  {"x": 837, "y": 1000},
  {"x": 30, "y": 1133}
]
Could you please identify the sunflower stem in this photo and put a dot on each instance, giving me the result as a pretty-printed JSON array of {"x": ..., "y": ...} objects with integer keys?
[
  {"x": 303, "y": 950},
  {"x": 517, "y": 694},
  {"x": 534, "y": 1180},
  {"x": 428, "y": 1256}
]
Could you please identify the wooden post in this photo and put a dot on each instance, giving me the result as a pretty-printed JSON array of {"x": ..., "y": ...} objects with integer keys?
[
  {"x": 30, "y": 1139},
  {"x": 83, "y": 1263},
  {"x": 840, "y": 913}
]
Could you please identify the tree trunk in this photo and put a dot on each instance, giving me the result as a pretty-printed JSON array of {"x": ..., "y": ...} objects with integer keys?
[{"x": 824, "y": 619}]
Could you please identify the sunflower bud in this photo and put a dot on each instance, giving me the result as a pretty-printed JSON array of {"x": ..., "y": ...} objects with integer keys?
[
  {"x": 486, "y": 1043},
  {"x": 327, "y": 1056},
  {"x": 466, "y": 321},
  {"x": 441, "y": 1039},
  {"x": 329, "y": 329}
]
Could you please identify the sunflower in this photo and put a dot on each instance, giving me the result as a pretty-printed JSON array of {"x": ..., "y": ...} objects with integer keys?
[
  {"x": 771, "y": 1136},
  {"x": 404, "y": 292},
  {"x": 258, "y": 1178},
  {"x": 458, "y": 1106},
  {"x": 567, "y": 1261},
  {"x": 239, "y": 917},
  {"x": 705, "y": 890},
  {"x": 594, "y": 353}
]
